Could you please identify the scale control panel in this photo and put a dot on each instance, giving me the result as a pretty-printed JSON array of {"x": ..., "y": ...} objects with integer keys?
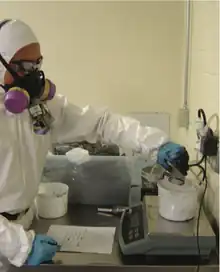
[
  {"x": 132, "y": 236},
  {"x": 132, "y": 225}
]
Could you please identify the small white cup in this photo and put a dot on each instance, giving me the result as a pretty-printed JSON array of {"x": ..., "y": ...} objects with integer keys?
[{"x": 52, "y": 200}]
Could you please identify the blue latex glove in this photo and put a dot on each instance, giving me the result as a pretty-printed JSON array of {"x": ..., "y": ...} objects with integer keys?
[
  {"x": 43, "y": 250},
  {"x": 174, "y": 154}
]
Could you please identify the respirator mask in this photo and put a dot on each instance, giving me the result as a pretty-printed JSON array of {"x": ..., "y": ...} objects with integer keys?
[{"x": 29, "y": 91}]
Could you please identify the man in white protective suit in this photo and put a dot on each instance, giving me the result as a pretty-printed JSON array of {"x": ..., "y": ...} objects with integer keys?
[{"x": 33, "y": 117}]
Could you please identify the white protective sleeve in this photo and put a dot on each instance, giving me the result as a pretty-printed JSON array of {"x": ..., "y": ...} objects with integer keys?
[
  {"x": 75, "y": 124},
  {"x": 15, "y": 242}
]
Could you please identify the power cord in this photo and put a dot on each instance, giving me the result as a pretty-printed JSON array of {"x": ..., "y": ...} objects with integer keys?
[
  {"x": 203, "y": 169},
  {"x": 204, "y": 179},
  {"x": 199, "y": 162}
]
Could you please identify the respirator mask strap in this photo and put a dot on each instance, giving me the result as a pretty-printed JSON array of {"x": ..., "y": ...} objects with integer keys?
[{"x": 8, "y": 68}]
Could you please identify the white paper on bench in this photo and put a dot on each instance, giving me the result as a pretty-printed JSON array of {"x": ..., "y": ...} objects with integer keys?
[{"x": 83, "y": 239}]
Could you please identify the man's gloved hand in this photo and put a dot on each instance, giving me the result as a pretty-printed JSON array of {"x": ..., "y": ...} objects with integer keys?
[
  {"x": 174, "y": 154},
  {"x": 43, "y": 250}
]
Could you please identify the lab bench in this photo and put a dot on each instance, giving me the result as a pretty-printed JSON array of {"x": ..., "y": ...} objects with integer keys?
[{"x": 85, "y": 215}]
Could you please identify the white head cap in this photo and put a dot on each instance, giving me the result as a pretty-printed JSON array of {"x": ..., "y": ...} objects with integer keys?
[{"x": 14, "y": 35}]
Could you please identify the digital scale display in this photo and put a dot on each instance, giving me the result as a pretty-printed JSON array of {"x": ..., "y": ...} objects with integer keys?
[
  {"x": 132, "y": 226},
  {"x": 134, "y": 220}
]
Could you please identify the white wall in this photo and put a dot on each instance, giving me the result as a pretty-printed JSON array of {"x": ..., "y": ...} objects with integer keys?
[
  {"x": 127, "y": 56},
  {"x": 204, "y": 81}
]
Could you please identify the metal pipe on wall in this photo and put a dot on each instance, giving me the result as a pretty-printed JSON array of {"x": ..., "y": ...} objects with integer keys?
[{"x": 187, "y": 54}]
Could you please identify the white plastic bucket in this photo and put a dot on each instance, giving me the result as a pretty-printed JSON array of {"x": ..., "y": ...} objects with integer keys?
[
  {"x": 52, "y": 200},
  {"x": 177, "y": 202}
]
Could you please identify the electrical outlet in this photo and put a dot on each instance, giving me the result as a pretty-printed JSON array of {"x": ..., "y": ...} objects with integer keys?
[{"x": 183, "y": 117}]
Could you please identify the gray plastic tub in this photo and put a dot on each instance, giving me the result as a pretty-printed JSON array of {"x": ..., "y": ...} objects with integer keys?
[{"x": 104, "y": 180}]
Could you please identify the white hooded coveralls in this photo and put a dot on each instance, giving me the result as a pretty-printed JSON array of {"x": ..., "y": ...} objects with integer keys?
[{"x": 23, "y": 153}]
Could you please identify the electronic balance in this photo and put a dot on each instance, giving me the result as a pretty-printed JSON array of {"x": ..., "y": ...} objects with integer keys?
[{"x": 144, "y": 232}]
